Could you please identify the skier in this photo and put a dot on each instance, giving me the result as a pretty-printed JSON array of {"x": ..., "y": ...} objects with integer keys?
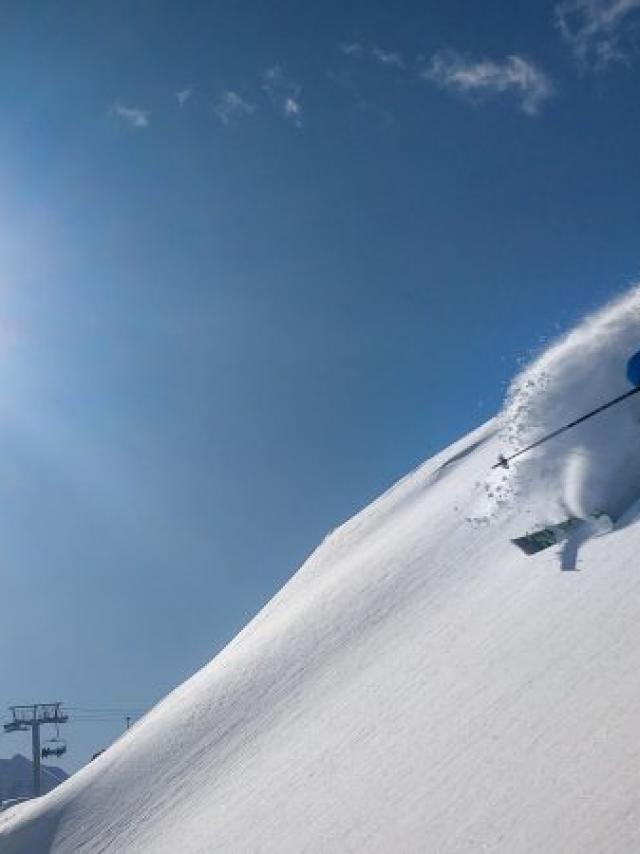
[
  {"x": 586, "y": 474},
  {"x": 633, "y": 369},
  {"x": 633, "y": 375}
]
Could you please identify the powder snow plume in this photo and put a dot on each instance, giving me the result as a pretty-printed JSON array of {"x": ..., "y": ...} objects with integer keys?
[{"x": 594, "y": 467}]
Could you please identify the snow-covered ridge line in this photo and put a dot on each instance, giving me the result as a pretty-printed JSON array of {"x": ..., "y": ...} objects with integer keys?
[{"x": 419, "y": 685}]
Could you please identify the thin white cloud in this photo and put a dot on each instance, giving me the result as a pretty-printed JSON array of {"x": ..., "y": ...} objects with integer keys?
[
  {"x": 481, "y": 79},
  {"x": 283, "y": 93},
  {"x": 293, "y": 109},
  {"x": 135, "y": 117},
  {"x": 354, "y": 49},
  {"x": 230, "y": 106},
  {"x": 183, "y": 96},
  {"x": 391, "y": 58},
  {"x": 596, "y": 29}
]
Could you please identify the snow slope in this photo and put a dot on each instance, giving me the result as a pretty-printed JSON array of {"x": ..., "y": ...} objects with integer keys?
[{"x": 419, "y": 685}]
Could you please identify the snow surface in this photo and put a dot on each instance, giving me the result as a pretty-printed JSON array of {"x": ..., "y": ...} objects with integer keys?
[{"x": 419, "y": 685}]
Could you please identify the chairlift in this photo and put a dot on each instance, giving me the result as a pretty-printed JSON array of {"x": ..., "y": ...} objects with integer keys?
[{"x": 54, "y": 746}]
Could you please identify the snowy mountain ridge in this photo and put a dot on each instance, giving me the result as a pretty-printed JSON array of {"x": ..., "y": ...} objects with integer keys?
[
  {"x": 419, "y": 685},
  {"x": 16, "y": 777}
]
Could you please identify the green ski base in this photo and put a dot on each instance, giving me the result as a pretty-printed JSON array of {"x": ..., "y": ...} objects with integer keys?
[
  {"x": 597, "y": 524},
  {"x": 543, "y": 539}
]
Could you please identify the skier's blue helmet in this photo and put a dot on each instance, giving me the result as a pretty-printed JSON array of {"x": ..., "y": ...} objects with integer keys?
[{"x": 633, "y": 369}]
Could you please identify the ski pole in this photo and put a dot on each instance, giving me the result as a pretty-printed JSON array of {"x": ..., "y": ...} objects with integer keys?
[{"x": 503, "y": 462}]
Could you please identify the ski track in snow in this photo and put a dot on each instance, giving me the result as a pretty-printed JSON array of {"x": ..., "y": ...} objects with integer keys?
[{"x": 419, "y": 685}]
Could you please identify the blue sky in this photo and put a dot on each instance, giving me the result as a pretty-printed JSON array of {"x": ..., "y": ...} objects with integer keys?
[{"x": 257, "y": 261}]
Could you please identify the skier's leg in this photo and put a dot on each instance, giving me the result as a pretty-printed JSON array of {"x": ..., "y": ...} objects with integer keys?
[{"x": 571, "y": 548}]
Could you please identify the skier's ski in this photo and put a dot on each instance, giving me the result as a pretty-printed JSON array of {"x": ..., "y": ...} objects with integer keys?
[{"x": 537, "y": 541}]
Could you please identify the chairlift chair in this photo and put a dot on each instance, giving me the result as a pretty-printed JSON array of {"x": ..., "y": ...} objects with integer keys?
[{"x": 54, "y": 746}]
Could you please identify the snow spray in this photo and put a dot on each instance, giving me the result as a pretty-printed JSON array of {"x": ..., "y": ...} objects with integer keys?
[{"x": 595, "y": 467}]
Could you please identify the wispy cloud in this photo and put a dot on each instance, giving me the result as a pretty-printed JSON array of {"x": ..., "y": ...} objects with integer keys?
[
  {"x": 352, "y": 49},
  {"x": 283, "y": 93},
  {"x": 135, "y": 117},
  {"x": 293, "y": 109},
  {"x": 391, "y": 58},
  {"x": 596, "y": 29},
  {"x": 230, "y": 106},
  {"x": 183, "y": 95},
  {"x": 481, "y": 79}
]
